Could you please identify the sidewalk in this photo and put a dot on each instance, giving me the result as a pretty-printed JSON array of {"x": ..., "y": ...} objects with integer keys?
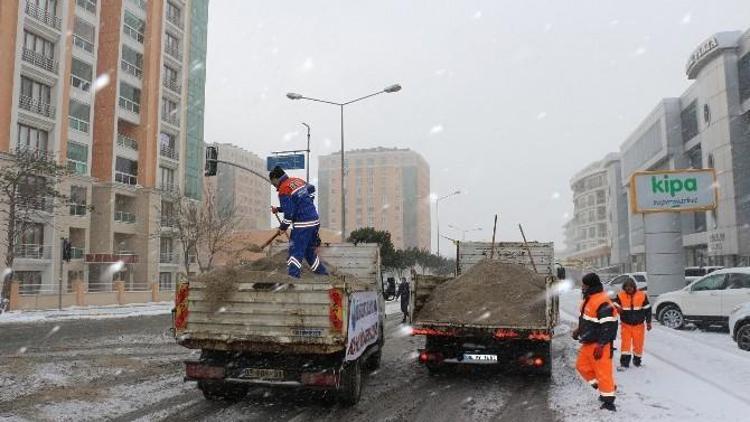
[{"x": 88, "y": 312}]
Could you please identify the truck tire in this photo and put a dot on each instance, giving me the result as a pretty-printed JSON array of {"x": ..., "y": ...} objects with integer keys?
[
  {"x": 222, "y": 391},
  {"x": 350, "y": 390}
]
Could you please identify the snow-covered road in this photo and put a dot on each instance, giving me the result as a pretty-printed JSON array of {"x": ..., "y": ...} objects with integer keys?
[{"x": 130, "y": 369}]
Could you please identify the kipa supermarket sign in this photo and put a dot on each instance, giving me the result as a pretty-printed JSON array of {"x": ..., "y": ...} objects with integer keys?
[{"x": 673, "y": 191}]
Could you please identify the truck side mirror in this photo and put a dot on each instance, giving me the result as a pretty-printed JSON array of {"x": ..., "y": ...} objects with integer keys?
[{"x": 561, "y": 273}]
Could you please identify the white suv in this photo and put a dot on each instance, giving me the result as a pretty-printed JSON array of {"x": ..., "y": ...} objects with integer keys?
[
  {"x": 612, "y": 287},
  {"x": 706, "y": 301},
  {"x": 739, "y": 326}
]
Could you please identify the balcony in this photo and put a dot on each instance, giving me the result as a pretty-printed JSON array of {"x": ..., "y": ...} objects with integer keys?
[
  {"x": 130, "y": 105},
  {"x": 171, "y": 84},
  {"x": 78, "y": 124},
  {"x": 76, "y": 253},
  {"x": 80, "y": 83},
  {"x": 37, "y": 153},
  {"x": 28, "y": 202},
  {"x": 170, "y": 187},
  {"x": 133, "y": 33},
  {"x": 83, "y": 44},
  {"x": 171, "y": 118},
  {"x": 131, "y": 69},
  {"x": 169, "y": 152},
  {"x": 32, "y": 251},
  {"x": 78, "y": 210},
  {"x": 43, "y": 16},
  {"x": 36, "y": 105},
  {"x": 87, "y": 5},
  {"x": 126, "y": 178},
  {"x": 126, "y": 142},
  {"x": 167, "y": 258},
  {"x": 175, "y": 20},
  {"x": 124, "y": 217},
  {"x": 140, "y": 3},
  {"x": 174, "y": 52},
  {"x": 167, "y": 221},
  {"x": 77, "y": 167},
  {"x": 39, "y": 60}
]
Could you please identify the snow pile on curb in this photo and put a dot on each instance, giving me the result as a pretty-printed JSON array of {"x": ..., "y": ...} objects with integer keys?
[{"x": 88, "y": 312}]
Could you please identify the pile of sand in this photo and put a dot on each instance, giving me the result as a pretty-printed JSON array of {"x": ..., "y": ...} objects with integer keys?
[
  {"x": 491, "y": 293},
  {"x": 222, "y": 283}
]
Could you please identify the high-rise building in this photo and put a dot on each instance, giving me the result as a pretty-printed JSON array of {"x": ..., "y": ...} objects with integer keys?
[
  {"x": 115, "y": 89},
  {"x": 386, "y": 188},
  {"x": 246, "y": 193}
]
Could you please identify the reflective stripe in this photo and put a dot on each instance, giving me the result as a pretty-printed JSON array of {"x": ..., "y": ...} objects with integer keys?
[
  {"x": 637, "y": 355},
  {"x": 305, "y": 224},
  {"x": 647, "y": 306},
  {"x": 315, "y": 264},
  {"x": 625, "y": 352},
  {"x": 616, "y": 304},
  {"x": 293, "y": 261},
  {"x": 285, "y": 221},
  {"x": 603, "y": 394},
  {"x": 295, "y": 191},
  {"x": 600, "y": 320},
  {"x": 593, "y": 381}
]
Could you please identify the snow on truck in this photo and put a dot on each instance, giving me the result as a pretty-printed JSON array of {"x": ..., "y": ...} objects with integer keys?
[
  {"x": 266, "y": 328},
  {"x": 498, "y": 311}
]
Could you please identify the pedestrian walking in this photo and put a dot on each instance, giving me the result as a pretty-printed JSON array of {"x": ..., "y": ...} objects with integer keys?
[
  {"x": 635, "y": 318},
  {"x": 403, "y": 293}
]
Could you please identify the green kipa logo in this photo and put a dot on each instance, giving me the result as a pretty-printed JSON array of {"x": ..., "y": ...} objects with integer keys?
[{"x": 673, "y": 186}]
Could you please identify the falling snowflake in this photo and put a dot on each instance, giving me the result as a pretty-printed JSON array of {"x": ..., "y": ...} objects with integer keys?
[
  {"x": 290, "y": 135},
  {"x": 436, "y": 129},
  {"x": 440, "y": 72},
  {"x": 614, "y": 22},
  {"x": 101, "y": 81},
  {"x": 308, "y": 65},
  {"x": 541, "y": 115},
  {"x": 555, "y": 195},
  {"x": 687, "y": 18},
  {"x": 478, "y": 14},
  {"x": 639, "y": 51},
  {"x": 22, "y": 350}
]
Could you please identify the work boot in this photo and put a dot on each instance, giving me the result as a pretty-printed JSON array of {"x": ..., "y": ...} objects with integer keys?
[
  {"x": 625, "y": 361},
  {"x": 608, "y": 403},
  {"x": 637, "y": 361}
]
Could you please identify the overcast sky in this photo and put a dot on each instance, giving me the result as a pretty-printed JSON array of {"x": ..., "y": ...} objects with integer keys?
[{"x": 505, "y": 99}]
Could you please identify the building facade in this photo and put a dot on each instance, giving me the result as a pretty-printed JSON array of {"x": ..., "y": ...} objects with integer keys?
[
  {"x": 115, "y": 91},
  {"x": 247, "y": 194},
  {"x": 386, "y": 188}
]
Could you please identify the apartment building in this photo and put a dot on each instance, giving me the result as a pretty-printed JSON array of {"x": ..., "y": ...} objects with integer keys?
[
  {"x": 109, "y": 88},
  {"x": 386, "y": 188},
  {"x": 248, "y": 194}
]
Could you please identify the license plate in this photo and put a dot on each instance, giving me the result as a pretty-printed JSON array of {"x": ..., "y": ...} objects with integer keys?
[
  {"x": 480, "y": 358},
  {"x": 262, "y": 373}
]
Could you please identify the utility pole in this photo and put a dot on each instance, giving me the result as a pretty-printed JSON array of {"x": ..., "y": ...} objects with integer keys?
[{"x": 308, "y": 152}]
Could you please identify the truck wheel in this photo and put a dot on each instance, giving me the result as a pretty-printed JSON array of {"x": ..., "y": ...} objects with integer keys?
[
  {"x": 351, "y": 384},
  {"x": 219, "y": 390}
]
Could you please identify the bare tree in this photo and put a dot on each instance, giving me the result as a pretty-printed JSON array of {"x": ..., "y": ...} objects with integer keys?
[
  {"x": 28, "y": 196},
  {"x": 219, "y": 220}
]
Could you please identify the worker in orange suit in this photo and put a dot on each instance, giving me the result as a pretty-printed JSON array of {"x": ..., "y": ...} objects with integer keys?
[
  {"x": 596, "y": 331},
  {"x": 635, "y": 318}
]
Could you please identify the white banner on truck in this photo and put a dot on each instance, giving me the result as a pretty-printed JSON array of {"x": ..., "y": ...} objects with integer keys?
[
  {"x": 363, "y": 323},
  {"x": 673, "y": 190}
]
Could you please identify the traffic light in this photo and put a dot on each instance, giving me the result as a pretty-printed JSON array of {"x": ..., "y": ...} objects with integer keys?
[{"x": 212, "y": 154}]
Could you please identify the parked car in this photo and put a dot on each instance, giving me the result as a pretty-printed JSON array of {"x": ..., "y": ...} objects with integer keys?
[
  {"x": 694, "y": 273},
  {"x": 614, "y": 285},
  {"x": 739, "y": 326},
  {"x": 706, "y": 301}
]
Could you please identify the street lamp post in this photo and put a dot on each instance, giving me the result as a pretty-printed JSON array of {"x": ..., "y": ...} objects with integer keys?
[
  {"x": 463, "y": 232},
  {"x": 308, "y": 152},
  {"x": 387, "y": 90},
  {"x": 437, "y": 215}
]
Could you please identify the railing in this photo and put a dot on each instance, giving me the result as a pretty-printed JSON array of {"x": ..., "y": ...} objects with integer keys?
[
  {"x": 78, "y": 124},
  {"x": 172, "y": 84},
  {"x": 77, "y": 167},
  {"x": 131, "y": 69},
  {"x": 37, "y": 106},
  {"x": 32, "y": 152},
  {"x": 76, "y": 253},
  {"x": 167, "y": 221},
  {"x": 169, "y": 152},
  {"x": 78, "y": 210},
  {"x": 127, "y": 142},
  {"x": 170, "y": 187},
  {"x": 88, "y": 5},
  {"x": 32, "y": 251},
  {"x": 175, "y": 20},
  {"x": 40, "y": 60},
  {"x": 168, "y": 258},
  {"x": 130, "y": 105},
  {"x": 132, "y": 33},
  {"x": 43, "y": 16},
  {"x": 140, "y": 3},
  {"x": 80, "y": 83},
  {"x": 32, "y": 202},
  {"x": 83, "y": 44},
  {"x": 173, "y": 51},
  {"x": 125, "y": 217},
  {"x": 171, "y": 118},
  {"x": 126, "y": 178}
]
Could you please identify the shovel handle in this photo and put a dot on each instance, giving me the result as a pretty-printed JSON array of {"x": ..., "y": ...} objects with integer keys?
[{"x": 285, "y": 233}]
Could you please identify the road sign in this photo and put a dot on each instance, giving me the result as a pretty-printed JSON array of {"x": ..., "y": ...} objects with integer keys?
[
  {"x": 673, "y": 190},
  {"x": 286, "y": 161}
]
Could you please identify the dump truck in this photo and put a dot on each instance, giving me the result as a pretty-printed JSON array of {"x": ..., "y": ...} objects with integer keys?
[
  {"x": 476, "y": 339},
  {"x": 317, "y": 332}
]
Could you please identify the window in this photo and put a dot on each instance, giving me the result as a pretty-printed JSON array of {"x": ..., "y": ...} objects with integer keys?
[
  {"x": 78, "y": 200},
  {"x": 134, "y": 27},
  {"x": 35, "y": 91},
  {"x": 84, "y": 35},
  {"x": 695, "y": 157},
  {"x": 78, "y": 157},
  {"x": 167, "y": 178},
  {"x": 39, "y": 51},
  {"x": 602, "y": 229},
  {"x": 601, "y": 213},
  {"x": 618, "y": 280},
  {"x": 172, "y": 46},
  {"x": 78, "y": 116},
  {"x": 88, "y": 5},
  {"x": 744, "y": 76},
  {"x": 689, "y": 118},
  {"x": 165, "y": 281},
  {"x": 600, "y": 197},
  {"x": 171, "y": 79},
  {"x": 174, "y": 14},
  {"x": 34, "y": 236},
  {"x": 592, "y": 232},
  {"x": 711, "y": 282},
  {"x": 32, "y": 139},
  {"x": 130, "y": 98},
  {"x": 169, "y": 112},
  {"x": 738, "y": 281},
  {"x": 30, "y": 282},
  {"x": 126, "y": 171},
  {"x": 132, "y": 62},
  {"x": 81, "y": 74},
  {"x": 639, "y": 278}
]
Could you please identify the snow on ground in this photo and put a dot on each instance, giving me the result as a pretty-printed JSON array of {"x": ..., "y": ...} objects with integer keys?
[
  {"x": 687, "y": 376},
  {"x": 392, "y": 307},
  {"x": 88, "y": 312}
]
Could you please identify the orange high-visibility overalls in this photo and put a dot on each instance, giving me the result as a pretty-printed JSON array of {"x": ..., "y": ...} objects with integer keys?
[
  {"x": 634, "y": 311},
  {"x": 597, "y": 325}
]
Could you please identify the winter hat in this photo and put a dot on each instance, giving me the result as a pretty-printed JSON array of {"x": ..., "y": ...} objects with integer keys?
[
  {"x": 591, "y": 280},
  {"x": 276, "y": 173}
]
